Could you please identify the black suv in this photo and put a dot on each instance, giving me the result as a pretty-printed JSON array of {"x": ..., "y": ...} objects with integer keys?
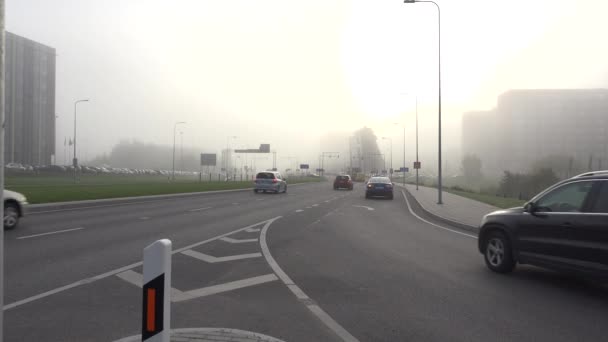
[{"x": 564, "y": 228}]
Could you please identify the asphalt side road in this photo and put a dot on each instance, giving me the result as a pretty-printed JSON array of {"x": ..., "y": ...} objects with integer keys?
[{"x": 310, "y": 265}]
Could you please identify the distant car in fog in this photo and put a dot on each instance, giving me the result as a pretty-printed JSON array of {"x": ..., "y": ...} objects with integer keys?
[
  {"x": 14, "y": 208},
  {"x": 379, "y": 187},
  {"x": 343, "y": 182},
  {"x": 270, "y": 181}
]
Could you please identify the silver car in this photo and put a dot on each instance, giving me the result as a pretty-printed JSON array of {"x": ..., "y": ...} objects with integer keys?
[
  {"x": 14, "y": 208},
  {"x": 270, "y": 181}
]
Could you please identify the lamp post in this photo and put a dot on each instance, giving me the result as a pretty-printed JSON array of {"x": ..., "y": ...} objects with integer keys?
[
  {"x": 440, "y": 185},
  {"x": 417, "y": 161},
  {"x": 75, "y": 161},
  {"x": 181, "y": 151},
  {"x": 391, "y": 142},
  {"x": 174, "y": 133}
]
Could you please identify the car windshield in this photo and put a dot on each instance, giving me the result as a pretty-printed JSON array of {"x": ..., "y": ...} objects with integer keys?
[{"x": 320, "y": 170}]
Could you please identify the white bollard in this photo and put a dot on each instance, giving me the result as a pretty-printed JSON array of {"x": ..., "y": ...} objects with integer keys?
[{"x": 156, "y": 318}]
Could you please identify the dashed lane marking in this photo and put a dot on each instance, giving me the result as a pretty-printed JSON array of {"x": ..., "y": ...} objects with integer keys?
[
  {"x": 299, "y": 211},
  {"x": 315, "y": 205},
  {"x": 200, "y": 209},
  {"x": 252, "y": 230},
  {"x": 49, "y": 233},
  {"x": 363, "y": 206}
]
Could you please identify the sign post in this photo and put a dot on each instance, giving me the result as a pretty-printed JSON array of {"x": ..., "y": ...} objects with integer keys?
[{"x": 156, "y": 318}]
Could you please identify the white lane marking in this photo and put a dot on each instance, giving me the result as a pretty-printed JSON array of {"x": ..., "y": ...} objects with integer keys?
[
  {"x": 363, "y": 206},
  {"x": 315, "y": 205},
  {"x": 122, "y": 269},
  {"x": 211, "y": 259},
  {"x": 431, "y": 223},
  {"x": 137, "y": 279},
  {"x": 144, "y": 218},
  {"x": 331, "y": 323},
  {"x": 252, "y": 230},
  {"x": 49, "y": 233},
  {"x": 200, "y": 209},
  {"x": 299, "y": 211},
  {"x": 308, "y": 207},
  {"x": 131, "y": 277},
  {"x": 233, "y": 285},
  {"x": 297, "y": 291},
  {"x": 327, "y": 201},
  {"x": 231, "y": 240}
]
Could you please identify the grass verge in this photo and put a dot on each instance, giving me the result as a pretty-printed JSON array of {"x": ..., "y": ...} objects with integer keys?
[
  {"x": 500, "y": 202},
  {"x": 59, "y": 190}
]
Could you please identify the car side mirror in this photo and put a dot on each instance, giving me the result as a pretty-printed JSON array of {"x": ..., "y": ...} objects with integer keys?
[{"x": 530, "y": 207}]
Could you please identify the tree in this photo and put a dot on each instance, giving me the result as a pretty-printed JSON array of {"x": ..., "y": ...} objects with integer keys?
[{"x": 471, "y": 168}]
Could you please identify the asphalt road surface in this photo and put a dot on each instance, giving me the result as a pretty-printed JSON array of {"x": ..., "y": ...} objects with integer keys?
[{"x": 310, "y": 265}]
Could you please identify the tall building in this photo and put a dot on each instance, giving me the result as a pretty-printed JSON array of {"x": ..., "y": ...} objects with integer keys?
[
  {"x": 30, "y": 101},
  {"x": 528, "y": 125}
]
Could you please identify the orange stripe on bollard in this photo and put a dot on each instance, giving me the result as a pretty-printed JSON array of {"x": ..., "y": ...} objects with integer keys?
[{"x": 151, "y": 314}]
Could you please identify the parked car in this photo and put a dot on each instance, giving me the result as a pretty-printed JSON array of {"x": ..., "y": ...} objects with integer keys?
[
  {"x": 343, "y": 182},
  {"x": 269, "y": 181},
  {"x": 14, "y": 208},
  {"x": 564, "y": 228},
  {"x": 379, "y": 187}
]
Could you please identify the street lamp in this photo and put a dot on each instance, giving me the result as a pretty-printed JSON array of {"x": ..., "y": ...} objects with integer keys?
[
  {"x": 174, "y": 133},
  {"x": 391, "y": 141},
  {"x": 439, "y": 188},
  {"x": 75, "y": 161},
  {"x": 396, "y": 123},
  {"x": 181, "y": 150}
]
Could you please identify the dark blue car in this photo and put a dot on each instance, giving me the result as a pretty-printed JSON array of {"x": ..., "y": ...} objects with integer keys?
[{"x": 379, "y": 187}]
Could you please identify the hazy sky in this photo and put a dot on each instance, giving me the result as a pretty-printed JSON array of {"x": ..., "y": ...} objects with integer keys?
[{"x": 286, "y": 72}]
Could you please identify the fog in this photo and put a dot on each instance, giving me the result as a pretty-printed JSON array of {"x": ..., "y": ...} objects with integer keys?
[{"x": 291, "y": 73}]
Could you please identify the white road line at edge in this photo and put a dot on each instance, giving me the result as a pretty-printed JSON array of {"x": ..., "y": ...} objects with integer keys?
[
  {"x": 200, "y": 209},
  {"x": 431, "y": 223},
  {"x": 121, "y": 269},
  {"x": 297, "y": 291},
  {"x": 49, "y": 233}
]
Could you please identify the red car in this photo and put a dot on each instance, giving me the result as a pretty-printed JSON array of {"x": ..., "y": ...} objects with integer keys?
[{"x": 343, "y": 182}]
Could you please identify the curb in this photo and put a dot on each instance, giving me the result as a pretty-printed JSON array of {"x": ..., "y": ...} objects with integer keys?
[
  {"x": 60, "y": 206},
  {"x": 454, "y": 223}
]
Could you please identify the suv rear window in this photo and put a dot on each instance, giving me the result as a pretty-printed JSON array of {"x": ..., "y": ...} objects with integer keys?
[
  {"x": 342, "y": 178},
  {"x": 265, "y": 175}
]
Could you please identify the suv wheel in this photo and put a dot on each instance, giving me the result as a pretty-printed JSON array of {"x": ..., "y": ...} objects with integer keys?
[
  {"x": 498, "y": 253},
  {"x": 11, "y": 216}
]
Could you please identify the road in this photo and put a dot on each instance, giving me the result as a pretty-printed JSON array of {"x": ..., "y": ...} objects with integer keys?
[{"x": 310, "y": 265}]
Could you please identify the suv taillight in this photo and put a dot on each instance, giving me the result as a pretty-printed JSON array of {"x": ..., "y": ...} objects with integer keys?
[{"x": 274, "y": 180}]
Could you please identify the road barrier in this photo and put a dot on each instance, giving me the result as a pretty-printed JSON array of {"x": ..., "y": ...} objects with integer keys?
[{"x": 156, "y": 317}]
